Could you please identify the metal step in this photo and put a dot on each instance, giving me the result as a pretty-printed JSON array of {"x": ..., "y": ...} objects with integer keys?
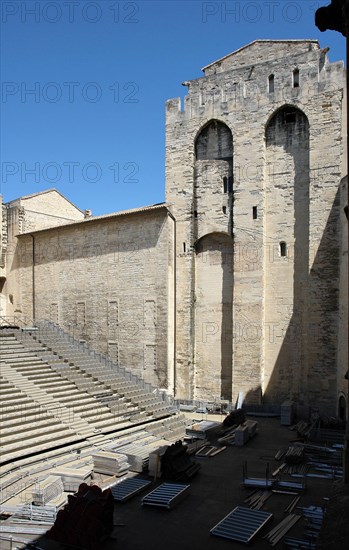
[
  {"x": 128, "y": 488},
  {"x": 242, "y": 524},
  {"x": 167, "y": 495}
]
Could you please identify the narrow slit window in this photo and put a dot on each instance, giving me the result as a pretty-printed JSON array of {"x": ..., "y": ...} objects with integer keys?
[
  {"x": 195, "y": 214},
  {"x": 283, "y": 249},
  {"x": 254, "y": 212},
  {"x": 224, "y": 209},
  {"x": 296, "y": 78},
  {"x": 184, "y": 247},
  {"x": 271, "y": 83},
  {"x": 225, "y": 185}
]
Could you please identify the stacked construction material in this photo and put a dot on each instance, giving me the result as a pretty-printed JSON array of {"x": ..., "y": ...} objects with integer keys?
[
  {"x": 86, "y": 520},
  {"x": 241, "y": 435},
  {"x": 46, "y": 490},
  {"x": 203, "y": 430},
  {"x": 257, "y": 499},
  {"x": 294, "y": 455},
  {"x": 276, "y": 534},
  {"x": 244, "y": 432},
  {"x": 35, "y": 514},
  {"x": 109, "y": 463},
  {"x": 252, "y": 428},
  {"x": 229, "y": 436},
  {"x": 209, "y": 451},
  {"x": 314, "y": 516},
  {"x": 137, "y": 456},
  {"x": 176, "y": 463},
  {"x": 155, "y": 458},
  {"x": 287, "y": 412},
  {"x": 72, "y": 477}
]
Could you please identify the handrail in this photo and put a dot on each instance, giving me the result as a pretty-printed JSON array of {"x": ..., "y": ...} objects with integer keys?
[{"x": 104, "y": 359}]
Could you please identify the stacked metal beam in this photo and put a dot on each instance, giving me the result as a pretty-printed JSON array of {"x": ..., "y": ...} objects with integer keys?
[
  {"x": 276, "y": 534},
  {"x": 257, "y": 499},
  {"x": 242, "y": 524},
  {"x": 314, "y": 516}
]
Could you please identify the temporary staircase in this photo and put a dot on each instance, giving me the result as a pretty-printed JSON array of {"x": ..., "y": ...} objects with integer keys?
[{"x": 56, "y": 393}]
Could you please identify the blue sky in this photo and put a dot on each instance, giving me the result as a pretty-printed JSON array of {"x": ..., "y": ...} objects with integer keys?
[{"x": 84, "y": 86}]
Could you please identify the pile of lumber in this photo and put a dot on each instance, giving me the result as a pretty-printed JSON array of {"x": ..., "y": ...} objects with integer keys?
[{"x": 109, "y": 463}]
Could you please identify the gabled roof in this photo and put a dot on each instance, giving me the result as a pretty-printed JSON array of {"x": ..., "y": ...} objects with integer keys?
[
  {"x": 153, "y": 207},
  {"x": 32, "y": 195},
  {"x": 310, "y": 41}
]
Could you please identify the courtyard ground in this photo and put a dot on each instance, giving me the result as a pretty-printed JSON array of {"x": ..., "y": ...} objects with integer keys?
[{"x": 214, "y": 492}]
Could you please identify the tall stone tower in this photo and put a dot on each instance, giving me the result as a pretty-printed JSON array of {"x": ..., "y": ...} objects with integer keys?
[{"x": 253, "y": 170}]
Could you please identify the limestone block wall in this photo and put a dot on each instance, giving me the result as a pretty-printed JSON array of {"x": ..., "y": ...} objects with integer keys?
[
  {"x": 107, "y": 281},
  {"x": 281, "y": 194},
  {"x": 46, "y": 209}
]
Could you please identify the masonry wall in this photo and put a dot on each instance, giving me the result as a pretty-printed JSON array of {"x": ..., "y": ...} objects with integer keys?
[
  {"x": 107, "y": 282},
  {"x": 274, "y": 297},
  {"x": 3, "y": 248},
  {"x": 46, "y": 209}
]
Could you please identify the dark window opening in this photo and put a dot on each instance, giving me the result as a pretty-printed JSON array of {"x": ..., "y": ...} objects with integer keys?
[
  {"x": 254, "y": 212},
  {"x": 271, "y": 83},
  {"x": 184, "y": 247},
  {"x": 225, "y": 185},
  {"x": 195, "y": 214},
  {"x": 289, "y": 117},
  {"x": 296, "y": 78},
  {"x": 283, "y": 249},
  {"x": 224, "y": 209},
  {"x": 2, "y": 283}
]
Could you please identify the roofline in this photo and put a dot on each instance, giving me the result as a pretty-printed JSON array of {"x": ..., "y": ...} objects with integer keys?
[
  {"x": 42, "y": 193},
  {"x": 254, "y": 42},
  {"x": 141, "y": 210}
]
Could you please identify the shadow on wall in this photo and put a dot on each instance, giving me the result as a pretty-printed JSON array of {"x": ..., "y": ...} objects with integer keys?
[
  {"x": 312, "y": 331},
  {"x": 287, "y": 146}
]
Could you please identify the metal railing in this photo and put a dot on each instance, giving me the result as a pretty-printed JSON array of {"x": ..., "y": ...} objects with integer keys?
[
  {"x": 44, "y": 328},
  {"x": 20, "y": 321}
]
